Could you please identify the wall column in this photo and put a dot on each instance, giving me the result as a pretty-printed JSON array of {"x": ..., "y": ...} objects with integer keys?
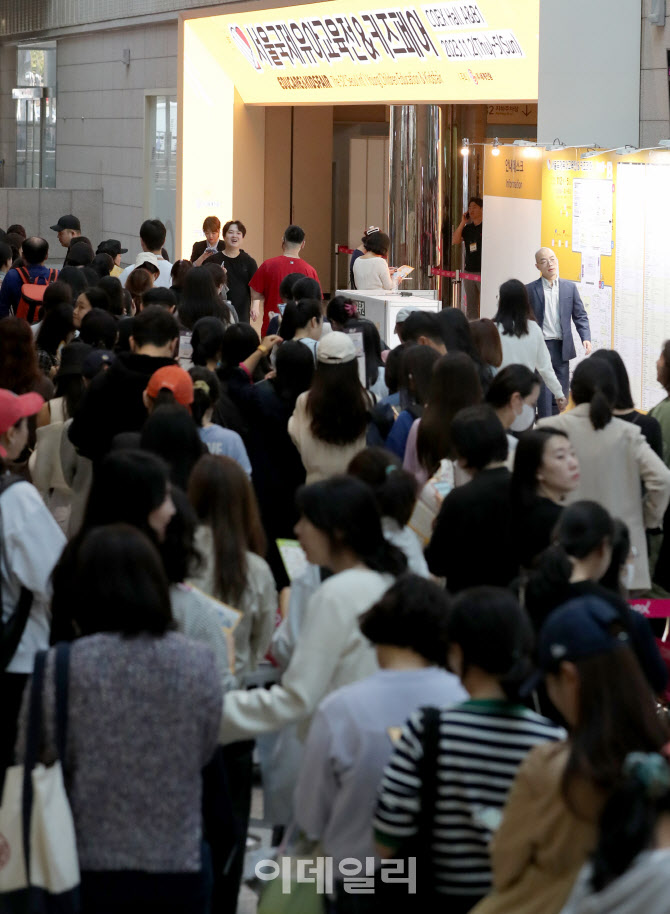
[{"x": 415, "y": 191}]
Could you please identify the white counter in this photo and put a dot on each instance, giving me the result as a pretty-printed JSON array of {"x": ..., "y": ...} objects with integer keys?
[{"x": 382, "y": 307}]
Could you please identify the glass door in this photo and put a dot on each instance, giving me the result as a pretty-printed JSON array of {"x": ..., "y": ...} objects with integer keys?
[
  {"x": 161, "y": 164},
  {"x": 35, "y": 101}
]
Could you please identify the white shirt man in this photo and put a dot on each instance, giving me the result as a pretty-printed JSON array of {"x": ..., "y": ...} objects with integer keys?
[{"x": 551, "y": 327}]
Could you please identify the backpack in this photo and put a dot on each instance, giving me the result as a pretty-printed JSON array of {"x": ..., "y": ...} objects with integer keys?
[
  {"x": 12, "y": 630},
  {"x": 32, "y": 294}
]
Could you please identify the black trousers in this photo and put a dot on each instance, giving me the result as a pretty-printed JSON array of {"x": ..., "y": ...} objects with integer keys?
[
  {"x": 238, "y": 761},
  {"x": 546, "y": 403},
  {"x": 12, "y": 686}
]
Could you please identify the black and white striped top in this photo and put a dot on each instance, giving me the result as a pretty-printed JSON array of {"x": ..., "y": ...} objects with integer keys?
[{"x": 482, "y": 744}]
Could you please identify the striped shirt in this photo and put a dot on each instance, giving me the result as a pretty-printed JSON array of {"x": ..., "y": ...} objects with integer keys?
[{"x": 482, "y": 743}]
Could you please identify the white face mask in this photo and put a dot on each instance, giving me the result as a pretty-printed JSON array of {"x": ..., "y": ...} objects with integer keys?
[
  {"x": 524, "y": 420},
  {"x": 628, "y": 575}
]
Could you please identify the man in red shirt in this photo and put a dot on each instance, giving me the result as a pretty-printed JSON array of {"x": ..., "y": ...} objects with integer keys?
[{"x": 266, "y": 280}]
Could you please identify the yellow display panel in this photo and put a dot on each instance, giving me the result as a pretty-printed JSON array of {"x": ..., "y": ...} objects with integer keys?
[
  {"x": 604, "y": 218},
  {"x": 339, "y": 52},
  {"x": 513, "y": 172}
]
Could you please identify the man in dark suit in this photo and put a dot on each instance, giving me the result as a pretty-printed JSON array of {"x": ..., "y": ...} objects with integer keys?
[
  {"x": 555, "y": 303},
  {"x": 212, "y": 244}
]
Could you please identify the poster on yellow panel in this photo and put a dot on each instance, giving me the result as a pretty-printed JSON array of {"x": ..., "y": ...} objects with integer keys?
[
  {"x": 343, "y": 52},
  {"x": 604, "y": 219},
  {"x": 578, "y": 225}
]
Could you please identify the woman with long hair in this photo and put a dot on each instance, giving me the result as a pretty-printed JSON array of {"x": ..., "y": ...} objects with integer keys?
[
  {"x": 454, "y": 385},
  {"x": 135, "y": 774},
  {"x": 628, "y": 871},
  {"x": 129, "y": 487},
  {"x": 416, "y": 371},
  {"x": 199, "y": 298},
  {"x": 546, "y": 470},
  {"x": 20, "y": 373},
  {"x": 339, "y": 529},
  {"x": 278, "y": 471},
  {"x": 457, "y": 336},
  {"x": 53, "y": 450},
  {"x": 303, "y": 320},
  {"x": 521, "y": 336},
  {"x": 207, "y": 342},
  {"x": 56, "y": 331},
  {"x": 231, "y": 543},
  {"x": 575, "y": 565},
  {"x": 486, "y": 338},
  {"x": 330, "y": 420},
  {"x": 550, "y": 823},
  {"x": 624, "y": 407},
  {"x": 375, "y": 380},
  {"x": 615, "y": 460}
]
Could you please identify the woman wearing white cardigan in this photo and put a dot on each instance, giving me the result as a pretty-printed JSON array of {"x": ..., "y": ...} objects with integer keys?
[
  {"x": 522, "y": 338},
  {"x": 618, "y": 469},
  {"x": 339, "y": 529}
]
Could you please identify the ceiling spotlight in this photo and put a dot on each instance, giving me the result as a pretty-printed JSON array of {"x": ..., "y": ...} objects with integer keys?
[
  {"x": 626, "y": 150},
  {"x": 495, "y": 151},
  {"x": 555, "y": 146},
  {"x": 465, "y": 148}
]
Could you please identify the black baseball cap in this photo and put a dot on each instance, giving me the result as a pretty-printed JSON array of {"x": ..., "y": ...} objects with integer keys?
[
  {"x": 72, "y": 358},
  {"x": 111, "y": 247},
  {"x": 67, "y": 222},
  {"x": 584, "y": 627},
  {"x": 95, "y": 361}
]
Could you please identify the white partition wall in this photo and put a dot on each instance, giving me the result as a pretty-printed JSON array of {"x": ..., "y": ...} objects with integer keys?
[
  {"x": 368, "y": 185},
  {"x": 512, "y": 220}
]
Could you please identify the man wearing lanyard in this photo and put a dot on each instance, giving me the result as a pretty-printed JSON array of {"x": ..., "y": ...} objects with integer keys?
[
  {"x": 469, "y": 231},
  {"x": 556, "y": 303}
]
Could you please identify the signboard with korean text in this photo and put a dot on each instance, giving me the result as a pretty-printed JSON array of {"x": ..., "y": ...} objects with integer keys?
[
  {"x": 342, "y": 52},
  {"x": 516, "y": 171}
]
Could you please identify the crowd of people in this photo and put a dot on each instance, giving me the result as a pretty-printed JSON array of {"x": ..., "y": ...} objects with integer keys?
[{"x": 465, "y": 706}]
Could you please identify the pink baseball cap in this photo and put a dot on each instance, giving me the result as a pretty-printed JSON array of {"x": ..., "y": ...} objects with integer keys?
[{"x": 14, "y": 407}]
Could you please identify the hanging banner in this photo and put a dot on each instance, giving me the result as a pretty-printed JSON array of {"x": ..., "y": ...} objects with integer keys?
[{"x": 335, "y": 52}]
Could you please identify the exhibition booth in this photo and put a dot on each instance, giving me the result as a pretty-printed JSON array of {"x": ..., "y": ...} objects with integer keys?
[
  {"x": 601, "y": 213},
  {"x": 257, "y": 91},
  {"x": 260, "y": 90}
]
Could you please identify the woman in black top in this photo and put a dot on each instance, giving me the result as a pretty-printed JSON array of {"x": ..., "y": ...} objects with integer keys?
[
  {"x": 546, "y": 469},
  {"x": 575, "y": 566},
  {"x": 239, "y": 265},
  {"x": 277, "y": 470},
  {"x": 624, "y": 408}
]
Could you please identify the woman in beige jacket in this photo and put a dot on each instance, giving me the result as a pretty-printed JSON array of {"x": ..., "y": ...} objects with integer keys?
[
  {"x": 550, "y": 823},
  {"x": 618, "y": 468}
]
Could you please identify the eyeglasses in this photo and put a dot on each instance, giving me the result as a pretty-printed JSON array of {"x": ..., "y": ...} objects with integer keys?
[{"x": 545, "y": 261}]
